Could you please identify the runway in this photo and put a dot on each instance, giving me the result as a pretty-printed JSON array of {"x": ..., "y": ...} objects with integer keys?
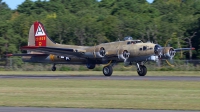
[
  {"x": 33, "y": 109},
  {"x": 101, "y": 77}
]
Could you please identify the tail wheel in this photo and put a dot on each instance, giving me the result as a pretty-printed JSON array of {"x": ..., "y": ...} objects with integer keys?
[
  {"x": 142, "y": 71},
  {"x": 53, "y": 68},
  {"x": 107, "y": 70}
]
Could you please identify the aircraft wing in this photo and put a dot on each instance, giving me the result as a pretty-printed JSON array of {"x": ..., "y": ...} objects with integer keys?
[
  {"x": 184, "y": 49},
  {"x": 55, "y": 50}
]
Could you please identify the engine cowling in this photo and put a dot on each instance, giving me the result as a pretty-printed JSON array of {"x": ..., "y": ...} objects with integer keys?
[
  {"x": 157, "y": 50},
  {"x": 100, "y": 52},
  {"x": 168, "y": 53},
  {"x": 123, "y": 54}
]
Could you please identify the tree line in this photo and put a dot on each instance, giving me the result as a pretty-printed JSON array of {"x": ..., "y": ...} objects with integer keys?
[{"x": 89, "y": 22}]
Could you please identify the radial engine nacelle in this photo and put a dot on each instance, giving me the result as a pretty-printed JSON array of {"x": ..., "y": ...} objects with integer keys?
[
  {"x": 168, "y": 53},
  {"x": 165, "y": 53},
  {"x": 123, "y": 54},
  {"x": 100, "y": 52},
  {"x": 97, "y": 52}
]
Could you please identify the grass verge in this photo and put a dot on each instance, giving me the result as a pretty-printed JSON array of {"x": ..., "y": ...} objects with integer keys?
[{"x": 129, "y": 94}]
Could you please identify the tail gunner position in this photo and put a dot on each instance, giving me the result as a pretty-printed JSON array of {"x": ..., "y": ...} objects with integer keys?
[{"x": 41, "y": 49}]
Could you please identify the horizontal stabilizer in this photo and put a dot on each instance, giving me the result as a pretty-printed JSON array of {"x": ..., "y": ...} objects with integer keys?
[
  {"x": 8, "y": 55},
  {"x": 55, "y": 50}
]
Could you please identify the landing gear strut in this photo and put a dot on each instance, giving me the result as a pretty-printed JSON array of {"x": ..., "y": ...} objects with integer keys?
[
  {"x": 141, "y": 70},
  {"x": 107, "y": 70},
  {"x": 53, "y": 67}
]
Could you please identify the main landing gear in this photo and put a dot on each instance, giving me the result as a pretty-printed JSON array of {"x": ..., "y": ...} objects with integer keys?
[
  {"x": 141, "y": 69},
  {"x": 107, "y": 70},
  {"x": 53, "y": 67}
]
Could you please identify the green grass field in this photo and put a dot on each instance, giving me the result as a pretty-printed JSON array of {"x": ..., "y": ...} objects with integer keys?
[{"x": 126, "y": 94}]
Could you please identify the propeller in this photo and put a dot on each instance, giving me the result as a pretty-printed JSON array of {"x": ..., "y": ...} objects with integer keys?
[
  {"x": 168, "y": 53},
  {"x": 170, "y": 60},
  {"x": 126, "y": 54},
  {"x": 102, "y": 52},
  {"x": 172, "y": 52}
]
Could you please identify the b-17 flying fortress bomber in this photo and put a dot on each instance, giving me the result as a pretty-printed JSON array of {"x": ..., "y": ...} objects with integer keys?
[{"x": 41, "y": 49}]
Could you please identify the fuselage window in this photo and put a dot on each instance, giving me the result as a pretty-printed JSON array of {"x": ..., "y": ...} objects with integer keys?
[
  {"x": 144, "y": 48},
  {"x": 128, "y": 42}
]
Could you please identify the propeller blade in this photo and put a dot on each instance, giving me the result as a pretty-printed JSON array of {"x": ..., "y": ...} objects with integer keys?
[{"x": 170, "y": 62}]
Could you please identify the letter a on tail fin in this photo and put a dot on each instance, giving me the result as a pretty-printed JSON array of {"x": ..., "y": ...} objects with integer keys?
[{"x": 40, "y": 35}]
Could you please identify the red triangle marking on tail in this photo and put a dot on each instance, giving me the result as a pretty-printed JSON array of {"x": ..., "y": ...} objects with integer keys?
[{"x": 40, "y": 31}]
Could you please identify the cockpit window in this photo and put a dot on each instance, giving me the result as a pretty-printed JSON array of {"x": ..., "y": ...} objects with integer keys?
[
  {"x": 131, "y": 42},
  {"x": 128, "y": 38},
  {"x": 139, "y": 41},
  {"x": 134, "y": 42}
]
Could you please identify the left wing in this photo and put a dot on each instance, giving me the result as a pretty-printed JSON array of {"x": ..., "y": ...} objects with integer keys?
[{"x": 56, "y": 50}]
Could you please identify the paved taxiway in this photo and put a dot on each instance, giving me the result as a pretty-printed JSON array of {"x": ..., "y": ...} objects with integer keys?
[
  {"x": 92, "y": 77},
  {"x": 33, "y": 109}
]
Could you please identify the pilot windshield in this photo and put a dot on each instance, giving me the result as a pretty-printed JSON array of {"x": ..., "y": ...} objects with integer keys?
[
  {"x": 128, "y": 38},
  {"x": 131, "y": 42}
]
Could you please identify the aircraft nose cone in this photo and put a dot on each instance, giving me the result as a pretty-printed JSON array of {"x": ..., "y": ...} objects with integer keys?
[{"x": 157, "y": 50}]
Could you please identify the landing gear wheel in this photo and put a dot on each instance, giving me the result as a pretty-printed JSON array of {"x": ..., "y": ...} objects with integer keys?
[
  {"x": 53, "y": 68},
  {"x": 142, "y": 71},
  {"x": 107, "y": 70},
  {"x": 90, "y": 66}
]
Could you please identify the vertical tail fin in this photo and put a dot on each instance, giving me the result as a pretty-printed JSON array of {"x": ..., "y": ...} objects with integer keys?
[{"x": 38, "y": 36}]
